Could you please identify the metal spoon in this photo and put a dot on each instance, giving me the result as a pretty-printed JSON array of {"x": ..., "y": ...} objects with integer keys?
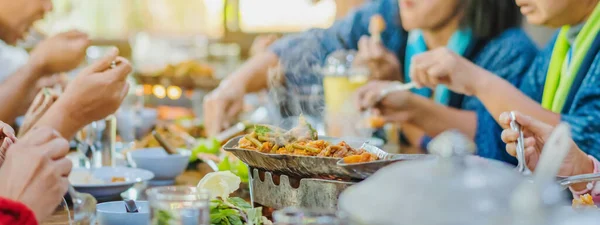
[
  {"x": 396, "y": 87},
  {"x": 583, "y": 178},
  {"x": 522, "y": 164},
  {"x": 130, "y": 206}
]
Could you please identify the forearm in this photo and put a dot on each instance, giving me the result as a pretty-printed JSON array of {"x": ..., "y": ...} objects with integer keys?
[
  {"x": 499, "y": 96},
  {"x": 62, "y": 120},
  {"x": 434, "y": 118},
  {"x": 15, "y": 91},
  {"x": 253, "y": 75}
]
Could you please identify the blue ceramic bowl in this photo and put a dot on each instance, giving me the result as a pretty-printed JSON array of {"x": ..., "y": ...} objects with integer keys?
[
  {"x": 114, "y": 213},
  {"x": 164, "y": 166}
]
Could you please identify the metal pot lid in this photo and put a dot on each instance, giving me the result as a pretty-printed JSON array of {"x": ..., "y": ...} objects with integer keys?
[
  {"x": 341, "y": 63},
  {"x": 457, "y": 188}
]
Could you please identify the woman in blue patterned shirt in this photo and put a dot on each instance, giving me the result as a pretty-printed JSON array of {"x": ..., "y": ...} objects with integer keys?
[
  {"x": 485, "y": 31},
  {"x": 562, "y": 85}
]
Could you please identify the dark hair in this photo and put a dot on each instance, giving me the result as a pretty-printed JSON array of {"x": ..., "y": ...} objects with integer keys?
[{"x": 489, "y": 18}]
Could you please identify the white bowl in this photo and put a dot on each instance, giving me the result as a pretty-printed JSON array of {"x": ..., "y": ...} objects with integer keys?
[
  {"x": 164, "y": 166},
  {"x": 114, "y": 213},
  {"x": 108, "y": 189}
]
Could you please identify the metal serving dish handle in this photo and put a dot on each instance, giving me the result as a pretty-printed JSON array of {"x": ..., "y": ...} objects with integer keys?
[{"x": 364, "y": 170}]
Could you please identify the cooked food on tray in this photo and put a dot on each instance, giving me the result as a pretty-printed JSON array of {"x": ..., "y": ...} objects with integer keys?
[
  {"x": 301, "y": 140},
  {"x": 584, "y": 201}
]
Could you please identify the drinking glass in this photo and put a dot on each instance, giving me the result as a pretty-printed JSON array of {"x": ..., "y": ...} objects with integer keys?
[
  {"x": 182, "y": 205},
  {"x": 301, "y": 216}
]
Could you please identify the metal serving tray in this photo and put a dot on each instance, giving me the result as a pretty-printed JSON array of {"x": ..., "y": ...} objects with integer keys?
[{"x": 318, "y": 167}]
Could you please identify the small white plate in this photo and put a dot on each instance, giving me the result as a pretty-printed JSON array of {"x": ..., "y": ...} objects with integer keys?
[{"x": 105, "y": 174}]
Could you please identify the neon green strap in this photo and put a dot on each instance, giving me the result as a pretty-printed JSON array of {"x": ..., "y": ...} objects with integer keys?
[{"x": 558, "y": 83}]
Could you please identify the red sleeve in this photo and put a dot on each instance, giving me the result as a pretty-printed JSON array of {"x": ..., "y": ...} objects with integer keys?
[{"x": 15, "y": 213}]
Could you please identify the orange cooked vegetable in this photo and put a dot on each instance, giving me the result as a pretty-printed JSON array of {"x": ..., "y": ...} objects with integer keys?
[
  {"x": 352, "y": 159},
  {"x": 584, "y": 201}
]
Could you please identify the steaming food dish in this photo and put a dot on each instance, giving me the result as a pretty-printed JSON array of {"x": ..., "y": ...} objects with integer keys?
[
  {"x": 301, "y": 140},
  {"x": 584, "y": 201}
]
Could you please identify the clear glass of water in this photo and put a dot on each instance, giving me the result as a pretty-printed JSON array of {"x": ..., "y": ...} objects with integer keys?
[
  {"x": 179, "y": 205},
  {"x": 301, "y": 216}
]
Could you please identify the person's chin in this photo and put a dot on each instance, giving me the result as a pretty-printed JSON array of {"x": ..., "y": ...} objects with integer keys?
[{"x": 539, "y": 21}]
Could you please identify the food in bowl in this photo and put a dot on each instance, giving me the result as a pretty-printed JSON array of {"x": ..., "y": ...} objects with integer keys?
[{"x": 86, "y": 177}]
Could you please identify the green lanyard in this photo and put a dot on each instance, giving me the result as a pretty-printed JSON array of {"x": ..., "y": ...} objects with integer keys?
[{"x": 562, "y": 69}]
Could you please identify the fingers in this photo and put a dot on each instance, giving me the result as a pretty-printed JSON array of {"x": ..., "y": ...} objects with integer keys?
[
  {"x": 509, "y": 136},
  {"x": 57, "y": 148},
  {"x": 214, "y": 111},
  {"x": 422, "y": 65},
  {"x": 63, "y": 166},
  {"x": 511, "y": 148},
  {"x": 366, "y": 96},
  {"x": 40, "y": 136},
  {"x": 535, "y": 127},
  {"x": 103, "y": 63},
  {"x": 120, "y": 71},
  {"x": 39, "y": 98},
  {"x": 232, "y": 112},
  {"x": 74, "y": 34}
]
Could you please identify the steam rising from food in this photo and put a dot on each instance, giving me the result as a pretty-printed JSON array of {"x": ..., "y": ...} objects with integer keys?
[{"x": 296, "y": 84}]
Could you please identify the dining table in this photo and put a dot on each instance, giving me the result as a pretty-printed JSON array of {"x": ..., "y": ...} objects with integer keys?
[{"x": 190, "y": 177}]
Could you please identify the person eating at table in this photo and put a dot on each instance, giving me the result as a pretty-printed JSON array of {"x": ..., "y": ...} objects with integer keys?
[
  {"x": 535, "y": 134},
  {"x": 52, "y": 56},
  {"x": 476, "y": 29},
  {"x": 561, "y": 86},
  {"x": 34, "y": 171},
  {"x": 484, "y": 42}
]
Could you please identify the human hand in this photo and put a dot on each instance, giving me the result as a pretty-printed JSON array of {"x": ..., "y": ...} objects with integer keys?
[
  {"x": 97, "y": 91},
  {"x": 42, "y": 102},
  {"x": 60, "y": 53},
  {"x": 383, "y": 64},
  {"x": 392, "y": 108},
  {"x": 222, "y": 106},
  {"x": 535, "y": 135},
  {"x": 262, "y": 43},
  {"x": 7, "y": 138},
  {"x": 442, "y": 66},
  {"x": 38, "y": 171}
]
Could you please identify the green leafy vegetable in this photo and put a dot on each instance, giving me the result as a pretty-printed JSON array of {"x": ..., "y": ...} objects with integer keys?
[
  {"x": 209, "y": 146},
  {"x": 237, "y": 167},
  {"x": 234, "y": 211},
  {"x": 163, "y": 217},
  {"x": 262, "y": 130}
]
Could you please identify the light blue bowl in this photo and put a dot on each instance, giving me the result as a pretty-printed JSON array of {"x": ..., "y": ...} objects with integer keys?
[
  {"x": 164, "y": 166},
  {"x": 114, "y": 213}
]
